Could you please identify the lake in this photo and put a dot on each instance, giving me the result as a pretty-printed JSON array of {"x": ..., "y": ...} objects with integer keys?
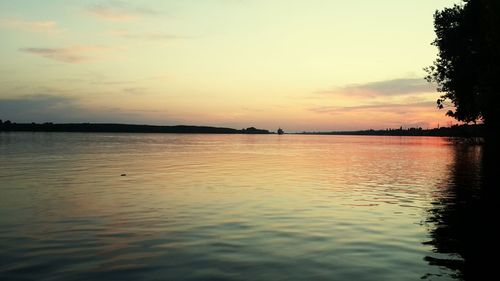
[{"x": 83, "y": 206}]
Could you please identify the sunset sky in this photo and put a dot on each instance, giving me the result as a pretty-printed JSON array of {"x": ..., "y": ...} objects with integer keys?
[{"x": 303, "y": 65}]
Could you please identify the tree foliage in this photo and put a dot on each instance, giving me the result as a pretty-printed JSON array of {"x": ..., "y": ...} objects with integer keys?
[{"x": 467, "y": 67}]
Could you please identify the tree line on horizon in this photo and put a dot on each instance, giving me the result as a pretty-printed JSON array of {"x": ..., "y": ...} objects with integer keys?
[
  {"x": 463, "y": 130},
  {"x": 123, "y": 128}
]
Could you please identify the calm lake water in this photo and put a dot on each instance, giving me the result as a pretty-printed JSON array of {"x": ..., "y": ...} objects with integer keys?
[{"x": 239, "y": 207}]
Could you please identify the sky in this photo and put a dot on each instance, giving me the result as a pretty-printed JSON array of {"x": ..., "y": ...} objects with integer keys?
[{"x": 311, "y": 65}]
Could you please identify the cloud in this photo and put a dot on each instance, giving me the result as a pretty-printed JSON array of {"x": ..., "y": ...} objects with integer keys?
[
  {"x": 72, "y": 54},
  {"x": 46, "y": 26},
  {"x": 119, "y": 12},
  {"x": 406, "y": 101},
  {"x": 56, "y": 108},
  {"x": 135, "y": 91},
  {"x": 394, "y": 87},
  {"x": 154, "y": 36},
  {"x": 149, "y": 36},
  {"x": 41, "y": 107},
  {"x": 380, "y": 115},
  {"x": 398, "y": 108}
]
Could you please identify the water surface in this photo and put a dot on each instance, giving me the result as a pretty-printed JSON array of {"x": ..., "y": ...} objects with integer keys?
[{"x": 235, "y": 207}]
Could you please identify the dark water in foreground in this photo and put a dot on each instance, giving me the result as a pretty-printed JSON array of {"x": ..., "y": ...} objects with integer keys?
[{"x": 241, "y": 207}]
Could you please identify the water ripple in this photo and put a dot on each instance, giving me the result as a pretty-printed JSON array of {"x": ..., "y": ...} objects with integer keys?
[{"x": 220, "y": 207}]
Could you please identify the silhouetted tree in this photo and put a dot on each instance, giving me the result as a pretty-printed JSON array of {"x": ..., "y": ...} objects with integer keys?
[
  {"x": 5, "y": 126},
  {"x": 467, "y": 66}
]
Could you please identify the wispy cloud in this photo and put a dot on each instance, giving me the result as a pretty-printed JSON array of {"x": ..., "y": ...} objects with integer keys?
[
  {"x": 135, "y": 90},
  {"x": 387, "y": 103},
  {"x": 393, "y": 87},
  {"x": 382, "y": 115},
  {"x": 116, "y": 11},
  {"x": 149, "y": 36},
  {"x": 154, "y": 36},
  {"x": 72, "y": 54},
  {"x": 398, "y": 108},
  {"x": 45, "y": 26}
]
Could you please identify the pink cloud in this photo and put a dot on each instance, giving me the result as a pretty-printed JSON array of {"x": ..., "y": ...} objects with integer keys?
[
  {"x": 382, "y": 115},
  {"x": 72, "y": 54},
  {"x": 147, "y": 36},
  {"x": 46, "y": 26},
  {"x": 119, "y": 12}
]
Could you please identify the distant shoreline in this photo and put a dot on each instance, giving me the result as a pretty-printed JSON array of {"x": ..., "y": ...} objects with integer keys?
[
  {"x": 124, "y": 128},
  {"x": 467, "y": 131}
]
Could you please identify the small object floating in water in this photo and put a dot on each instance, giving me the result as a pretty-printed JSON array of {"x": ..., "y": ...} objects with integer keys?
[
  {"x": 280, "y": 131},
  {"x": 123, "y": 175}
]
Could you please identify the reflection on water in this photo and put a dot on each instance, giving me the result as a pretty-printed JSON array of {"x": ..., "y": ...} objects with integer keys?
[
  {"x": 463, "y": 219},
  {"x": 241, "y": 207}
]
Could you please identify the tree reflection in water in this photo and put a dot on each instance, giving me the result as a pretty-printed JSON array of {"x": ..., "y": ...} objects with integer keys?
[{"x": 463, "y": 219}]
